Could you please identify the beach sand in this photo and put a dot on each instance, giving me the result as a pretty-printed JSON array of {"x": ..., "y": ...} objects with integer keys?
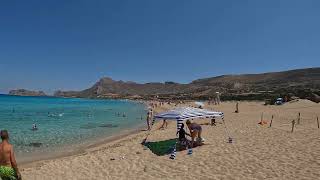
[{"x": 257, "y": 152}]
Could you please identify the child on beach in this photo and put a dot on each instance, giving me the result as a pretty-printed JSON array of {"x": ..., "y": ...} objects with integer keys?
[{"x": 182, "y": 136}]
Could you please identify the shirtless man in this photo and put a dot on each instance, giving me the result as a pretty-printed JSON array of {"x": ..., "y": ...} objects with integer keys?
[{"x": 8, "y": 164}]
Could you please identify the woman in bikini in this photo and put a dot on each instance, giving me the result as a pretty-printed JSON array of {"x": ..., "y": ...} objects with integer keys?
[{"x": 195, "y": 131}]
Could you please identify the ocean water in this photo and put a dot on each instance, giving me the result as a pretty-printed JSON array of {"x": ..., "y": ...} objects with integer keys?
[{"x": 64, "y": 123}]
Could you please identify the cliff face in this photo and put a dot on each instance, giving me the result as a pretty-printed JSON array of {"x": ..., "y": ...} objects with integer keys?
[
  {"x": 279, "y": 82},
  {"x": 24, "y": 92}
]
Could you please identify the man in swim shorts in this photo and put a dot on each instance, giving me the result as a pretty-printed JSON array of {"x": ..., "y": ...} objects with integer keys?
[
  {"x": 195, "y": 130},
  {"x": 8, "y": 165}
]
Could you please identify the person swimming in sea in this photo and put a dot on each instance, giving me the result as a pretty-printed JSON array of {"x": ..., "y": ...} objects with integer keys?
[
  {"x": 34, "y": 127},
  {"x": 50, "y": 115}
]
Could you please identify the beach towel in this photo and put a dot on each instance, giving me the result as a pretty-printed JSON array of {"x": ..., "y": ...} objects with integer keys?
[
  {"x": 161, "y": 148},
  {"x": 7, "y": 173}
]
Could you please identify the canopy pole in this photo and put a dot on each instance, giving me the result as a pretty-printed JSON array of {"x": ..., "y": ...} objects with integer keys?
[
  {"x": 225, "y": 126},
  {"x": 174, "y": 152}
]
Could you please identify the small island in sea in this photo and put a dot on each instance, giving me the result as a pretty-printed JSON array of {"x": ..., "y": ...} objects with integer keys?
[{"x": 24, "y": 92}]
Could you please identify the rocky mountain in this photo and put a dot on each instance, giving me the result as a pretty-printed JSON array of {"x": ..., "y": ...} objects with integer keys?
[
  {"x": 246, "y": 85},
  {"x": 24, "y": 92},
  {"x": 106, "y": 87}
]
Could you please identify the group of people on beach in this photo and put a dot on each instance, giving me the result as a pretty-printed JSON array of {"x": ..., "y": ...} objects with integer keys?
[
  {"x": 194, "y": 128},
  {"x": 195, "y": 134},
  {"x": 119, "y": 114}
]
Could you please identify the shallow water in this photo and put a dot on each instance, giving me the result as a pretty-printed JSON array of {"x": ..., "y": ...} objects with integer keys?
[{"x": 64, "y": 122}]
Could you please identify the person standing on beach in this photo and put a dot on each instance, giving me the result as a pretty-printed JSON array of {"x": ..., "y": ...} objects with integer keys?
[
  {"x": 164, "y": 124},
  {"x": 8, "y": 165},
  {"x": 148, "y": 119}
]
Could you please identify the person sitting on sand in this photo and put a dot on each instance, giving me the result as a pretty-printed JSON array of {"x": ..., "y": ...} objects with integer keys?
[
  {"x": 34, "y": 127},
  {"x": 8, "y": 165},
  {"x": 195, "y": 130},
  {"x": 182, "y": 136}
]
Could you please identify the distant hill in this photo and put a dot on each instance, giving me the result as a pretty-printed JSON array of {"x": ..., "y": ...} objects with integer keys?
[
  {"x": 24, "y": 92},
  {"x": 301, "y": 77},
  {"x": 298, "y": 81},
  {"x": 106, "y": 87}
]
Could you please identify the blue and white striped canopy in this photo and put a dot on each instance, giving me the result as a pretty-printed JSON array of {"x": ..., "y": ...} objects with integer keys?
[{"x": 186, "y": 113}]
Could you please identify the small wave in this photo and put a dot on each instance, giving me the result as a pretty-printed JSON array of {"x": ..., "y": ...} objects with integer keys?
[
  {"x": 89, "y": 126},
  {"x": 56, "y": 115},
  {"x": 109, "y": 125}
]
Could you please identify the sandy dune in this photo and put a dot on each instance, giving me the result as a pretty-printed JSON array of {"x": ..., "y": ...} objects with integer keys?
[{"x": 258, "y": 152}]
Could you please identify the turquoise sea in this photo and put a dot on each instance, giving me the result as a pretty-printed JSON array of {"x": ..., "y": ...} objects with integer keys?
[{"x": 64, "y": 123}]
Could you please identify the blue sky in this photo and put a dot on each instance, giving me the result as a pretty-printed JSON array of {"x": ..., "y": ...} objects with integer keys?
[{"x": 70, "y": 44}]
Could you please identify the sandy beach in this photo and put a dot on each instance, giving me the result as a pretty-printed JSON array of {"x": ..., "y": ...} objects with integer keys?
[{"x": 257, "y": 151}]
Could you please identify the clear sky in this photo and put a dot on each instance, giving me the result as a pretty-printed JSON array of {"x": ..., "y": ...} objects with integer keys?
[{"x": 70, "y": 44}]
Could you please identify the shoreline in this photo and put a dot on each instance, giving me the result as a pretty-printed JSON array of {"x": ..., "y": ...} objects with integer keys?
[
  {"x": 52, "y": 147},
  {"x": 96, "y": 144},
  {"x": 88, "y": 147},
  {"x": 82, "y": 149}
]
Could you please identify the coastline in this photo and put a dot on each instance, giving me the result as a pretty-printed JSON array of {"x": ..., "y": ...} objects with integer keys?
[
  {"x": 58, "y": 140},
  {"x": 88, "y": 146},
  {"x": 80, "y": 150}
]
